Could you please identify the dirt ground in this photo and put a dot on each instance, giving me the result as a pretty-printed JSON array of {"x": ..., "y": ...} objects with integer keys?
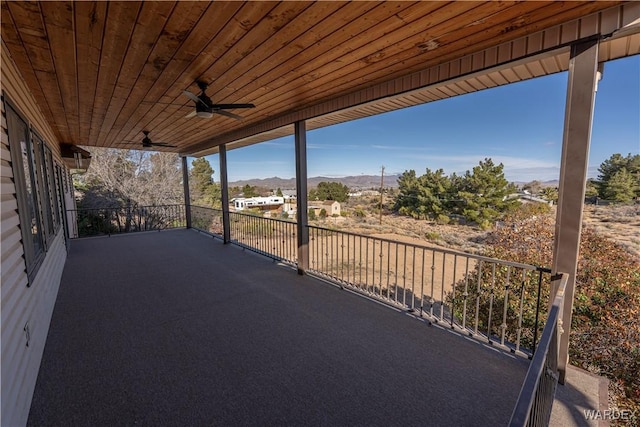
[{"x": 618, "y": 223}]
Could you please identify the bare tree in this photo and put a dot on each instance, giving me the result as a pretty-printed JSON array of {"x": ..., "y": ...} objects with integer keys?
[{"x": 119, "y": 178}]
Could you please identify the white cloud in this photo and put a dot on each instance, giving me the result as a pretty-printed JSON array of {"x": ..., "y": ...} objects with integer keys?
[
  {"x": 277, "y": 144},
  {"x": 315, "y": 146}
]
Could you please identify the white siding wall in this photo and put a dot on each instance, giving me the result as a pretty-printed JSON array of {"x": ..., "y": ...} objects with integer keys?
[{"x": 21, "y": 305}]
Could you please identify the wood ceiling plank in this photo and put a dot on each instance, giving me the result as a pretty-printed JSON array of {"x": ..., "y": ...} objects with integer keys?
[
  {"x": 374, "y": 48},
  {"x": 90, "y": 19},
  {"x": 120, "y": 22},
  {"x": 279, "y": 28},
  {"x": 353, "y": 64},
  {"x": 337, "y": 43},
  {"x": 486, "y": 38},
  {"x": 35, "y": 44},
  {"x": 179, "y": 25},
  {"x": 222, "y": 72},
  {"x": 375, "y": 19},
  {"x": 149, "y": 25},
  {"x": 11, "y": 39},
  {"x": 344, "y": 41},
  {"x": 174, "y": 75},
  {"x": 234, "y": 30},
  {"x": 386, "y": 73},
  {"x": 283, "y": 47},
  {"x": 148, "y": 29},
  {"x": 59, "y": 24},
  {"x": 434, "y": 12}
]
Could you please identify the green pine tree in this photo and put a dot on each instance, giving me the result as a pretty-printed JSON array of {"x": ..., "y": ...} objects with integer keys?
[{"x": 484, "y": 192}]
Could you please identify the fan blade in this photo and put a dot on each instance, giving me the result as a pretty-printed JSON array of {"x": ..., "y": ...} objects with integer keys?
[
  {"x": 231, "y": 106},
  {"x": 193, "y": 97},
  {"x": 191, "y": 114},
  {"x": 162, "y": 144},
  {"x": 228, "y": 114}
]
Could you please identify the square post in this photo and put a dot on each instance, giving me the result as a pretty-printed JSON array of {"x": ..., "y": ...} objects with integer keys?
[
  {"x": 301, "y": 196},
  {"x": 583, "y": 66},
  {"x": 224, "y": 190},
  {"x": 187, "y": 196}
]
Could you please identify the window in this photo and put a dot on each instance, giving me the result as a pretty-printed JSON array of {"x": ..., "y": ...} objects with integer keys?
[
  {"x": 38, "y": 183},
  {"x": 26, "y": 181},
  {"x": 43, "y": 186},
  {"x": 60, "y": 181},
  {"x": 52, "y": 186}
]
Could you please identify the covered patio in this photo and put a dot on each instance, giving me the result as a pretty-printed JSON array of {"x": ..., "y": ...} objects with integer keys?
[{"x": 176, "y": 328}]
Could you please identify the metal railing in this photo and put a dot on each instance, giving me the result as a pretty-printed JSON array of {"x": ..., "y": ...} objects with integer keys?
[
  {"x": 538, "y": 390},
  {"x": 128, "y": 219},
  {"x": 499, "y": 302},
  {"x": 275, "y": 238},
  {"x": 207, "y": 219},
  {"x": 489, "y": 299}
]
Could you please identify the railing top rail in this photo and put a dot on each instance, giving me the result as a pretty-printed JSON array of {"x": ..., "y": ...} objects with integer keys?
[
  {"x": 441, "y": 250},
  {"x": 529, "y": 388}
]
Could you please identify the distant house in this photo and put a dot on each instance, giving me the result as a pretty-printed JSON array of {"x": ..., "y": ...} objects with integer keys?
[
  {"x": 526, "y": 197},
  {"x": 271, "y": 204},
  {"x": 331, "y": 207}
]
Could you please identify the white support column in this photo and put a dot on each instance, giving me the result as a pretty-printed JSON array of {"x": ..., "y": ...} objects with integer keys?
[
  {"x": 301, "y": 195},
  {"x": 224, "y": 190},
  {"x": 581, "y": 88},
  {"x": 187, "y": 196}
]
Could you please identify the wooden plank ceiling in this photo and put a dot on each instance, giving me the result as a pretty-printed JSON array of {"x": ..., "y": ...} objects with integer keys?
[{"x": 105, "y": 71}]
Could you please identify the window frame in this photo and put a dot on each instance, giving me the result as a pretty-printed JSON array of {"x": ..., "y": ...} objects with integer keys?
[
  {"x": 39, "y": 181},
  {"x": 34, "y": 244},
  {"x": 43, "y": 188}
]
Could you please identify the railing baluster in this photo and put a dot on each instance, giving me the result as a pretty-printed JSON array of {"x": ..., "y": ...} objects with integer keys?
[
  {"x": 389, "y": 270},
  {"x": 465, "y": 295},
  {"x": 491, "y": 295},
  {"x": 360, "y": 261},
  {"x": 422, "y": 285},
  {"x": 442, "y": 282},
  {"x": 381, "y": 268},
  {"x": 453, "y": 289},
  {"x": 478, "y": 296},
  {"x": 413, "y": 278},
  {"x": 433, "y": 280},
  {"x": 521, "y": 311},
  {"x": 374, "y": 258},
  {"x": 503, "y": 326}
]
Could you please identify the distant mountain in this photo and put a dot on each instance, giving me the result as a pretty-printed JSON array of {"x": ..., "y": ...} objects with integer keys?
[{"x": 359, "y": 182}]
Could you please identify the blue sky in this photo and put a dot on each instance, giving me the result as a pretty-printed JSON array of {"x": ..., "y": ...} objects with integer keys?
[{"x": 519, "y": 125}]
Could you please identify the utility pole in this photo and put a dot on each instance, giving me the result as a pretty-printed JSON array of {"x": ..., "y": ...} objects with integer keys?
[{"x": 381, "y": 190}]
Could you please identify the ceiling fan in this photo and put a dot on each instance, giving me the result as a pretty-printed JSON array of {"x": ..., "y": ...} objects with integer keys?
[
  {"x": 147, "y": 143},
  {"x": 206, "y": 108}
]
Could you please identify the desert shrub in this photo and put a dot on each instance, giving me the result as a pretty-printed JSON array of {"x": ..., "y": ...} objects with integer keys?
[
  {"x": 605, "y": 327},
  {"x": 432, "y": 236},
  {"x": 359, "y": 212},
  {"x": 606, "y": 315},
  {"x": 442, "y": 219}
]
